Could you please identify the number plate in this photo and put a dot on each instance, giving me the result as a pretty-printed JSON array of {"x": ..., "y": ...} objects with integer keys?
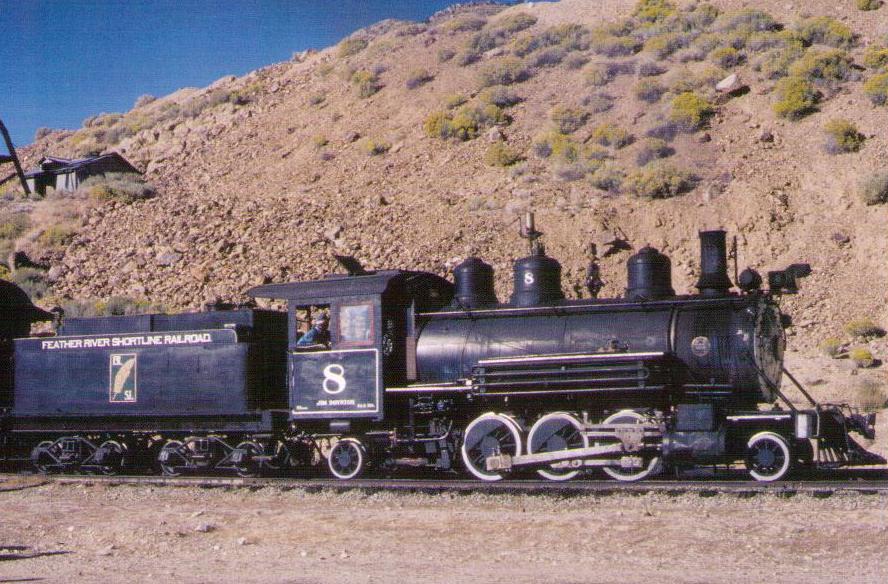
[{"x": 335, "y": 383}]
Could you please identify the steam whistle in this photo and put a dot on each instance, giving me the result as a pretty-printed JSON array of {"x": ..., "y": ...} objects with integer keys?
[{"x": 529, "y": 232}]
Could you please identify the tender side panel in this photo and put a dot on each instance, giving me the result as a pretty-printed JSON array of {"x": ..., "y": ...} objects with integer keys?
[{"x": 189, "y": 373}]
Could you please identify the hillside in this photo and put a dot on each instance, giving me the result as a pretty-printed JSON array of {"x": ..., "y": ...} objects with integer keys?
[{"x": 359, "y": 149}]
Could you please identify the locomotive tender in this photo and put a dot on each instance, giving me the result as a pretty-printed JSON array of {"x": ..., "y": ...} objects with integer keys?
[{"x": 420, "y": 372}]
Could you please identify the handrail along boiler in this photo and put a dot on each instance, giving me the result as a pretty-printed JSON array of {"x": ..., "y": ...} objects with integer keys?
[{"x": 421, "y": 372}]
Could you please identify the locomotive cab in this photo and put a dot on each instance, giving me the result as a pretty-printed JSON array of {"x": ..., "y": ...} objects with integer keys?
[{"x": 371, "y": 343}]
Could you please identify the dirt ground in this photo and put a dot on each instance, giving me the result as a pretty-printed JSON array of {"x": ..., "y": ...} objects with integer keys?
[{"x": 58, "y": 533}]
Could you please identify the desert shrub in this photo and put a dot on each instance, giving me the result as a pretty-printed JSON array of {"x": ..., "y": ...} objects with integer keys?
[
  {"x": 436, "y": 124},
  {"x": 832, "y": 347},
  {"x": 570, "y": 37},
  {"x": 614, "y": 46},
  {"x": 549, "y": 57},
  {"x": 445, "y": 55},
  {"x": 796, "y": 98},
  {"x": 658, "y": 181},
  {"x": 418, "y": 77},
  {"x": 597, "y": 74},
  {"x": 708, "y": 42},
  {"x": 366, "y": 83},
  {"x": 873, "y": 189},
  {"x": 689, "y": 55},
  {"x": 557, "y": 146},
  {"x": 575, "y": 61},
  {"x": 861, "y": 357},
  {"x": 373, "y": 147},
  {"x": 842, "y": 136},
  {"x": 568, "y": 120},
  {"x": 144, "y": 100},
  {"x": 653, "y": 10},
  {"x": 875, "y": 57},
  {"x": 691, "y": 111},
  {"x": 764, "y": 41},
  {"x": 726, "y": 57},
  {"x": 455, "y": 100},
  {"x": 869, "y": 395},
  {"x": 56, "y": 237},
  {"x": 524, "y": 44},
  {"x": 41, "y": 133},
  {"x": 594, "y": 152},
  {"x": 747, "y": 20},
  {"x": 464, "y": 124},
  {"x": 608, "y": 178},
  {"x": 652, "y": 149},
  {"x": 500, "y": 96},
  {"x": 464, "y": 23},
  {"x": 514, "y": 23},
  {"x": 868, "y": 4},
  {"x": 499, "y": 154},
  {"x": 570, "y": 172},
  {"x": 823, "y": 66},
  {"x": 824, "y": 30},
  {"x": 598, "y": 102},
  {"x": 503, "y": 72},
  {"x": 316, "y": 98},
  {"x": 665, "y": 44},
  {"x": 351, "y": 46},
  {"x": 776, "y": 63},
  {"x": 32, "y": 281},
  {"x": 876, "y": 89},
  {"x": 120, "y": 187},
  {"x": 864, "y": 328},
  {"x": 319, "y": 141},
  {"x": 702, "y": 15},
  {"x": 609, "y": 134},
  {"x": 13, "y": 225},
  {"x": 467, "y": 57},
  {"x": 483, "y": 41},
  {"x": 648, "y": 90},
  {"x": 650, "y": 69}
]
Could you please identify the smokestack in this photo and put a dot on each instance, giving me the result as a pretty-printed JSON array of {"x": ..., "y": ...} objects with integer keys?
[{"x": 714, "y": 279}]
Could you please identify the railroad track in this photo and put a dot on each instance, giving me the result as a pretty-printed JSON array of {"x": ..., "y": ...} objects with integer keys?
[{"x": 862, "y": 482}]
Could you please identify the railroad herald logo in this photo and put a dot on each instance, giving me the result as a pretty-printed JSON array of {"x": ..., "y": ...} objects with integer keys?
[{"x": 123, "y": 383}]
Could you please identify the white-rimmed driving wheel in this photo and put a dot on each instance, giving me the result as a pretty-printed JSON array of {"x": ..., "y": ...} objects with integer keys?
[
  {"x": 650, "y": 467},
  {"x": 347, "y": 459},
  {"x": 768, "y": 457},
  {"x": 487, "y": 435},
  {"x": 555, "y": 432}
]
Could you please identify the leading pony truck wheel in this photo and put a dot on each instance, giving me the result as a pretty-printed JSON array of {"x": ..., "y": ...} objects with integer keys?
[{"x": 768, "y": 457}]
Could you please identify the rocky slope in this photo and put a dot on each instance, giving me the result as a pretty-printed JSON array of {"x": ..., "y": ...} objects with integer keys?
[{"x": 263, "y": 178}]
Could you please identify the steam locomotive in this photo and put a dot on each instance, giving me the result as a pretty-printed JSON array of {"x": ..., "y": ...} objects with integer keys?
[{"x": 420, "y": 372}]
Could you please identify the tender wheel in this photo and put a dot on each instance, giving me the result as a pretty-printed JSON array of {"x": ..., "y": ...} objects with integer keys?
[
  {"x": 651, "y": 467},
  {"x": 250, "y": 467},
  {"x": 169, "y": 454},
  {"x": 768, "y": 457},
  {"x": 485, "y": 436},
  {"x": 554, "y": 432},
  {"x": 113, "y": 458},
  {"x": 347, "y": 459},
  {"x": 42, "y": 468}
]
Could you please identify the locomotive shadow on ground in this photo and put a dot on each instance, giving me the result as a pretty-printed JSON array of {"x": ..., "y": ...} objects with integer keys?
[{"x": 22, "y": 552}]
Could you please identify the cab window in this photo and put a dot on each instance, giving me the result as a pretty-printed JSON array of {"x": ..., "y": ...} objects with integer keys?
[{"x": 356, "y": 324}]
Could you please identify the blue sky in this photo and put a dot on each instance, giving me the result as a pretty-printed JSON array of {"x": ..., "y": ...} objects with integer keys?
[{"x": 65, "y": 60}]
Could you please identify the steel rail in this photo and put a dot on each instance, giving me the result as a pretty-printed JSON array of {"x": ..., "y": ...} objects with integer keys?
[{"x": 876, "y": 485}]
